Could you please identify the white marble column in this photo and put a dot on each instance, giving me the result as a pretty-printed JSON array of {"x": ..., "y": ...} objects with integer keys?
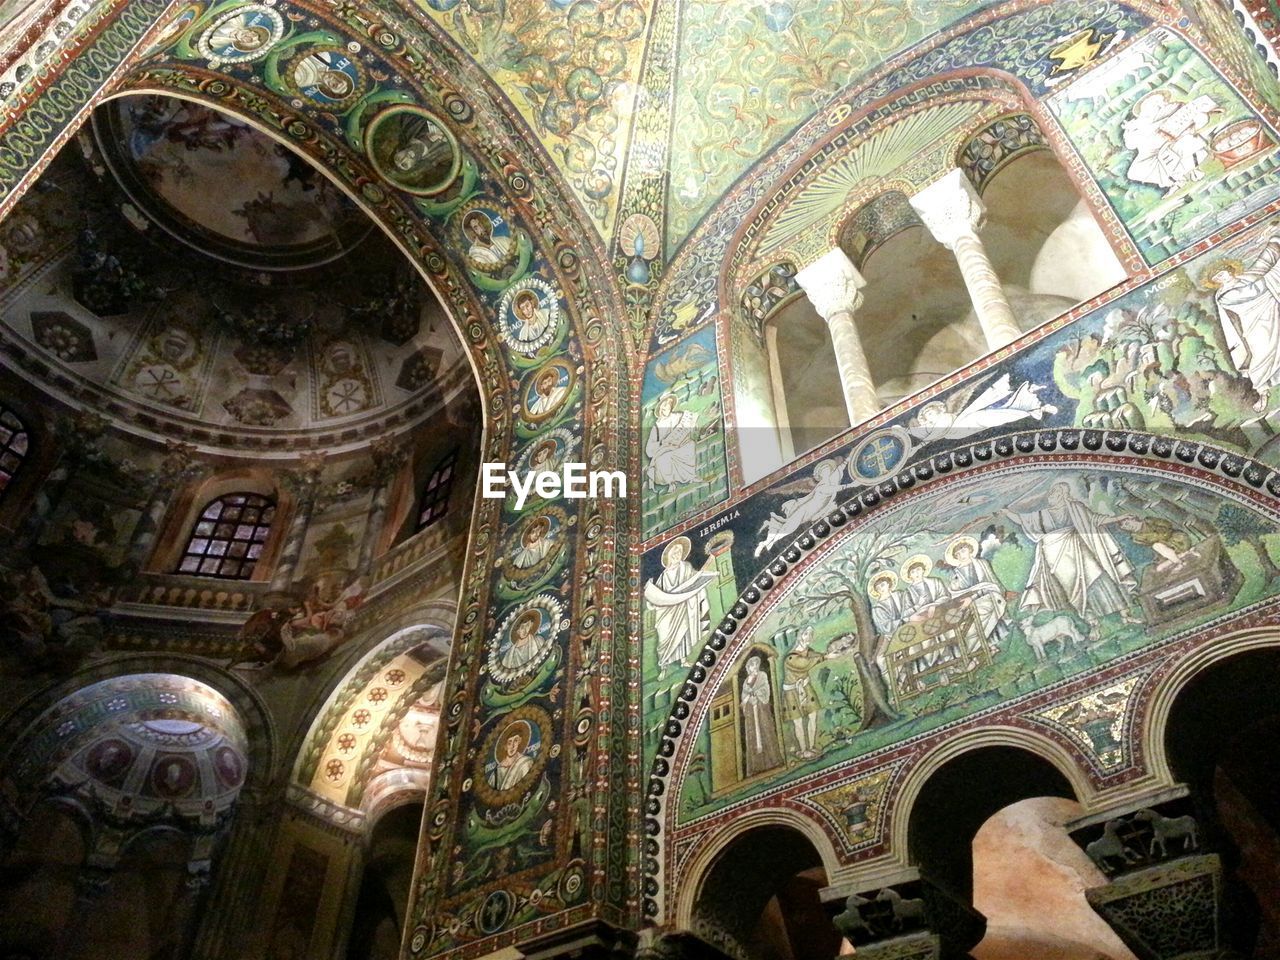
[
  {"x": 834, "y": 287},
  {"x": 953, "y": 211}
]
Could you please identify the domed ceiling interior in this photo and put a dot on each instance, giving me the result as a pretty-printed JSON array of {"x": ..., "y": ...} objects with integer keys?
[
  {"x": 297, "y": 325},
  {"x": 143, "y": 745}
]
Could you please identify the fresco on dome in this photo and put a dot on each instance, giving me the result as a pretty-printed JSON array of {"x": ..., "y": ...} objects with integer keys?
[
  {"x": 571, "y": 69},
  {"x": 1176, "y": 150},
  {"x": 273, "y": 199},
  {"x": 956, "y": 600},
  {"x": 1192, "y": 354},
  {"x": 683, "y": 433},
  {"x": 748, "y": 74}
]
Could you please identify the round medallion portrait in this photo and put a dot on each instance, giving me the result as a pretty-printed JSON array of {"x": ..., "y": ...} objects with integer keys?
[
  {"x": 243, "y": 35},
  {"x": 545, "y": 391},
  {"x": 535, "y": 546},
  {"x": 529, "y": 316},
  {"x": 525, "y": 638},
  {"x": 173, "y": 776},
  {"x": 488, "y": 242},
  {"x": 177, "y": 25},
  {"x": 512, "y": 756},
  {"x": 109, "y": 760},
  {"x": 412, "y": 150},
  {"x": 545, "y": 454},
  {"x": 327, "y": 75}
]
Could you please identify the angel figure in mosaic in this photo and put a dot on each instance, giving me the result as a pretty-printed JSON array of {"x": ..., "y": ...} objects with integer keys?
[{"x": 963, "y": 414}]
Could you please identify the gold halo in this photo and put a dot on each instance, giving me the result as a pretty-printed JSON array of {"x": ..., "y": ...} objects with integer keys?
[
  {"x": 525, "y": 734},
  {"x": 681, "y": 542},
  {"x": 912, "y": 561},
  {"x": 962, "y": 539},
  {"x": 882, "y": 575}
]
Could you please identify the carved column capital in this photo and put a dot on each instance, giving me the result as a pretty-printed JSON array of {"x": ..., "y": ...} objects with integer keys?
[
  {"x": 950, "y": 208},
  {"x": 1166, "y": 895},
  {"x": 832, "y": 284},
  {"x": 912, "y": 919}
]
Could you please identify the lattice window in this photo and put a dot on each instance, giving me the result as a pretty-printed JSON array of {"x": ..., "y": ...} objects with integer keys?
[
  {"x": 228, "y": 537},
  {"x": 435, "y": 496},
  {"x": 14, "y": 443}
]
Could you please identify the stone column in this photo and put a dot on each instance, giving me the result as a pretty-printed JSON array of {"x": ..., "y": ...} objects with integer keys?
[
  {"x": 834, "y": 287},
  {"x": 175, "y": 470},
  {"x": 387, "y": 460},
  {"x": 953, "y": 211},
  {"x": 79, "y": 437},
  {"x": 305, "y": 485}
]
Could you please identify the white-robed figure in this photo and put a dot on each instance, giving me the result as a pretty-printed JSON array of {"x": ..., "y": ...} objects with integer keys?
[
  {"x": 888, "y": 608},
  {"x": 548, "y": 392},
  {"x": 919, "y": 590},
  {"x": 1078, "y": 565},
  {"x": 760, "y": 735},
  {"x": 1171, "y": 139},
  {"x": 532, "y": 318},
  {"x": 670, "y": 447},
  {"x": 972, "y": 577},
  {"x": 535, "y": 543},
  {"x": 1248, "y": 303},
  {"x": 527, "y": 642},
  {"x": 484, "y": 248},
  {"x": 682, "y": 608}
]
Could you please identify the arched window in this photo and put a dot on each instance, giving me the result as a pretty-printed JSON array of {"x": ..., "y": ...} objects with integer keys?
[
  {"x": 435, "y": 495},
  {"x": 13, "y": 446},
  {"x": 228, "y": 536}
]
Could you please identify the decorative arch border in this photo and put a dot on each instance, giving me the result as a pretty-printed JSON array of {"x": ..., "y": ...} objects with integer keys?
[
  {"x": 1010, "y": 149},
  {"x": 1251, "y": 478},
  {"x": 986, "y": 88},
  {"x": 422, "y": 625},
  {"x": 705, "y": 857},
  {"x": 704, "y": 250},
  {"x": 1169, "y": 684},
  {"x": 999, "y": 735}
]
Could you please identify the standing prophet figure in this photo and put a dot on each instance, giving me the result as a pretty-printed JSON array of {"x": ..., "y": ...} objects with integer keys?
[
  {"x": 1248, "y": 303},
  {"x": 1078, "y": 564},
  {"x": 759, "y": 734},
  {"x": 683, "y": 609}
]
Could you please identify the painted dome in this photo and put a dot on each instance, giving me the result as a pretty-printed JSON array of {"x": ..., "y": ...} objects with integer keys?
[
  {"x": 315, "y": 335},
  {"x": 142, "y": 746},
  {"x": 270, "y": 210}
]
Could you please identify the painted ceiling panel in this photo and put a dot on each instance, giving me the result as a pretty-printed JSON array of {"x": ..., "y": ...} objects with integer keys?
[
  {"x": 746, "y": 74},
  {"x": 570, "y": 67},
  {"x": 750, "y": 72}
]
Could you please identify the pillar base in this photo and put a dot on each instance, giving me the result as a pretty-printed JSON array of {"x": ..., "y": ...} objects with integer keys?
[{"x": 914, "y": 946}]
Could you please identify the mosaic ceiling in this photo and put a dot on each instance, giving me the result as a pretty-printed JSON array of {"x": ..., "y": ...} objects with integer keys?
[{"x": 692, "y": 91}]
